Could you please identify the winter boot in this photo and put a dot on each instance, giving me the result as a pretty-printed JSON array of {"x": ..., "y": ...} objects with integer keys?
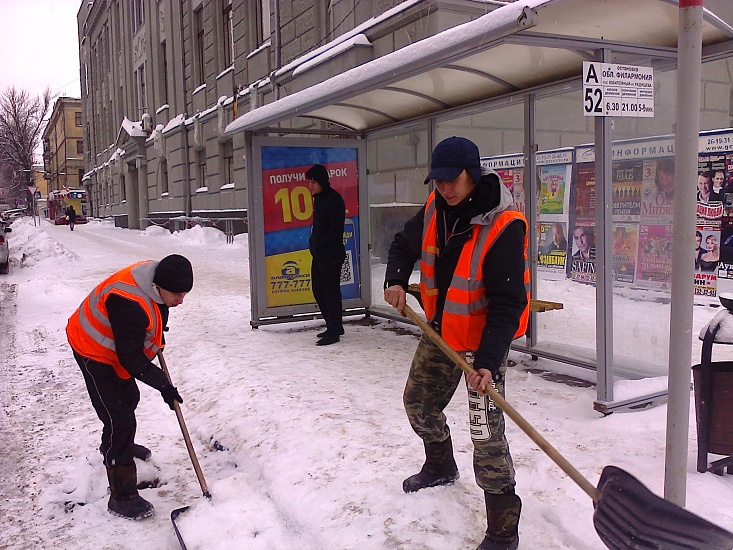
[
  {"x": 502, "y": 515},
  {"x": 439, "y": 468},
  {"x": 124, "y": 500},
  {"x": 143, "y": 453}
]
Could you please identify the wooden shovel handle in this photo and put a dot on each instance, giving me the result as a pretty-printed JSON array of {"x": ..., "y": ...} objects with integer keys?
[
  {"x": 184, "y": 431},
  {"x": 510, "y": 411}
]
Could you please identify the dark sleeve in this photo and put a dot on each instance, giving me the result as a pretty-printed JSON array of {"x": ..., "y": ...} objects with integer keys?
[
  {"x": 504, "y": 267},
  {"x": 129, "y": 322},
  {"x": 404, "y": 251}
]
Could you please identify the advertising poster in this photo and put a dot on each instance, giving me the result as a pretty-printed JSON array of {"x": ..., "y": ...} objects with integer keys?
[
  {"x": 511, "y": 171},
  {"x": 583, "y": 261},
  {"x": 553, "y": 188},
  {"x": 584, "y": 203},
  {"x": 553, "y": 250},
  {"x": 707, "y": 259},
  {"x": 625, "y": 243},
  {"x": 288, "y": 216},
  {"x": 626, "y": 190},
  {"x": 654, "y": 265},
  {"x": 657, "y": 190}
]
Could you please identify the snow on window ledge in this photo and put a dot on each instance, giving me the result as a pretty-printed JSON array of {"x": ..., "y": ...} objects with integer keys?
[
  {"x": 227, "y": 186},
  {"x": 202, "y": 190},
  {"x": 163, "y": 195}
]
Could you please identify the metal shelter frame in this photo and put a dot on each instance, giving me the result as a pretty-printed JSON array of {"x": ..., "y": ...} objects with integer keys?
[{"x": 493, "y": 61}]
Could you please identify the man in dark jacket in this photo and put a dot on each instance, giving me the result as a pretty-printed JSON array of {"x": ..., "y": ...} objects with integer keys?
[
  {"x": 115, "y": 333},
  {"x": 326, "y": 245},
  {"x": 70, "y": 216},
  {"x": 473, "y": 281}
]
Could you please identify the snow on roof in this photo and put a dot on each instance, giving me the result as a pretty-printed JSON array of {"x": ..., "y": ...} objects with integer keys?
[
  {"x": 358, "y": 40},
  {"x": 133, "y": 129}
]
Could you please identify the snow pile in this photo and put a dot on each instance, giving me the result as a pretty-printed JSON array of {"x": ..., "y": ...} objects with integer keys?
[{"x": 28, "y": 245}]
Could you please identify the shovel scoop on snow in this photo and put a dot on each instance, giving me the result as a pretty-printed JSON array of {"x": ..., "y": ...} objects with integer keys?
[{"x": 627, "y": 516}]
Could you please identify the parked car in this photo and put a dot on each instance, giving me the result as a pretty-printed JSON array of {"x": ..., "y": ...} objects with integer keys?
[
  {"x": 9, "y": 215},
  {"x": 61, "y": 219},
  {"x": 4, "y": 251}
]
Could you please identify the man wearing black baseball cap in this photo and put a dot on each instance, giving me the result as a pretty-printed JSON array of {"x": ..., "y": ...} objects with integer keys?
[
  {"x": 472, "y": 248},
  {"x": 114, "y": 334}
]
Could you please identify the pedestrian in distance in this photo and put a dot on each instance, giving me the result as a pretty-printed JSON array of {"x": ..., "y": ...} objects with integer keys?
[
  {"x": 326, "y": 245},
  {"x": 70, "y": 216},
  {"x": 114, "y": 334},
  {"x": 472, "y": 248}
]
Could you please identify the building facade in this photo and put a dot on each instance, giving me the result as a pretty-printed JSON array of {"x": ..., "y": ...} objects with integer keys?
[
  {"x": 63, "y": 146},
  {"x": 162, "y": 79}
]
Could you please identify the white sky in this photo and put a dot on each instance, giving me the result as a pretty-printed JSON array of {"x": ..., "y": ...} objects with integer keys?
[
  {"x": 39, "y": 46},
  {"x": 301, "y": 446}
]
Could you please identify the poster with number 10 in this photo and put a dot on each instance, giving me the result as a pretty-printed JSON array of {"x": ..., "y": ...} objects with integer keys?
[{"x": 287, "y": 207}]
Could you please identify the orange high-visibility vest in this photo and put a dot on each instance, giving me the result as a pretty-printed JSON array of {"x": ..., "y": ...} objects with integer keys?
[
  {"x": 89, "y": 331},
  {"x": 466, "y": 305}
]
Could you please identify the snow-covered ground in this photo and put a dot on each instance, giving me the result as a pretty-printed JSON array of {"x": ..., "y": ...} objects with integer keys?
[{"x": 303, "y": 447}]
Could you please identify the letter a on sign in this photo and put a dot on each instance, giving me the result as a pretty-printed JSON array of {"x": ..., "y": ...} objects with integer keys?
[{"x": 590, "y": 75}]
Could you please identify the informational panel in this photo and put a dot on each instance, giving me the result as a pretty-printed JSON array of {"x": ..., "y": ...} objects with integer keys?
[
  {"x": 281, "y": 217},
  {"x": 554, "y": 170},
  {"x": 611, "y": 89}
]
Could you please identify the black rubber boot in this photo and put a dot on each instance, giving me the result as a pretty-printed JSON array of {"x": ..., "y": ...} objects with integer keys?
[
  {"x": 138, "y": 451},
  {"x": 124, "y": 500},
  {"x": 439, "y": 468},
  {"x": 502, "y": 515}
]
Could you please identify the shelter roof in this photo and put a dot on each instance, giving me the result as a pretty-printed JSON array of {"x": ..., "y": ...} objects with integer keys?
[{"x": 519, "y": 46}]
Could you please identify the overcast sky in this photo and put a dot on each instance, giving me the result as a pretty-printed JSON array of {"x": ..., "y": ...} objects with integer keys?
[{"x": 39, "y": 46}]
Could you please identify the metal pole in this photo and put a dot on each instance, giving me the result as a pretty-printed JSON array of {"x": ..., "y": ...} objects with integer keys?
[
  {"x": 689, "y": 56},
  {"x": 604, "y": 271}
]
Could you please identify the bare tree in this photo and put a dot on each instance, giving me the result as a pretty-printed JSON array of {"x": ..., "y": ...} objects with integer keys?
[{"x": 21, "y": 124}]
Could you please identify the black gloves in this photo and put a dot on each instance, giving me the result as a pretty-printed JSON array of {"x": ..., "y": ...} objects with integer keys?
[{"x": 170, "y": 395}]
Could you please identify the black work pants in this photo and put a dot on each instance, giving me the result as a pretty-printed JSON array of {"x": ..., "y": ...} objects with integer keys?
[
  {"x": 326, "y": 285},
  {"x": 115, "y": 401}
]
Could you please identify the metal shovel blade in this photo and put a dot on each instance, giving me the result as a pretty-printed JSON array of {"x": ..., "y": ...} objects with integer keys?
[
  {"x": 174, "y": 514},
  {"x": 629, "y": 516}
]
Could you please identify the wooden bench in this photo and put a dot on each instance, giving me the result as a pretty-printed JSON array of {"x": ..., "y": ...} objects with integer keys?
[{"x": 539, "y": 306}]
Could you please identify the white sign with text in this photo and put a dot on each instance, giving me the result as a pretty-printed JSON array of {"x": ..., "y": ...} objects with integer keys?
[{"x": 611, "y": 89}]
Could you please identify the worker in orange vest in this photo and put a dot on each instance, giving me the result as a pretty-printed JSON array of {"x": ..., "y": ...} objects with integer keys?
[
  {"x": 114, "y": 334},
  {"x": 474, "y": 282}
]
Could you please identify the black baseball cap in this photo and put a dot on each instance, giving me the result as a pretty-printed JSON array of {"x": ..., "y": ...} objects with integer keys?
[{"x": 451, "y": 157}]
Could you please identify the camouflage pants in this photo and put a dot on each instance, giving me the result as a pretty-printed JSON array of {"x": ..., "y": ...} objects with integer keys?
[{"x": 432, "y": 381}]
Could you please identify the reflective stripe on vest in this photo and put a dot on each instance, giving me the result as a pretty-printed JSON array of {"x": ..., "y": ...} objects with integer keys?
[
  {"x": 90, "y": 332},
  {"x": 466, "y": 304}
]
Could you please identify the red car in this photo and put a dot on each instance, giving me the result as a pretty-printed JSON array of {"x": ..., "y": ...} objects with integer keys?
[{"x": 61, "y": 219}]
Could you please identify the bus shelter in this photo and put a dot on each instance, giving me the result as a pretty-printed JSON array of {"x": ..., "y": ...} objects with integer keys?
[{"x": 512, "y": 81}]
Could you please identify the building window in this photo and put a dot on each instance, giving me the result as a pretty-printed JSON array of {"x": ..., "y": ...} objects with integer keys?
[
  {"x": 138, "y": 79},
  {"x": 138, "y": 14},
  {"x": 123, "y": 188},
  {"x": 80, "y": 147},
  {"x": 227, "y": 164},
  {"x": 202, "y": 176},
  {"x": 263, "y": 20},
  {"x": 163, "y": 177},
  {"x": 227, "y": 34},
  {"x": 81, "y": 177},
  {"x": 164, "y": 71},
  {"x": 77, "y": 119},
  {"x": 198, "y": 29}
]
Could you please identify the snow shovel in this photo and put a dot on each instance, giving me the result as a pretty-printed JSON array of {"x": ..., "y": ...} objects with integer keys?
[
  {"x": 191, "y": 453},
  {"x": 627, "y": 514}
]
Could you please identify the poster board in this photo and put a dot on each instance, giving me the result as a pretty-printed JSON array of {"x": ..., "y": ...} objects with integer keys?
[{"x": 281, "y": 216}]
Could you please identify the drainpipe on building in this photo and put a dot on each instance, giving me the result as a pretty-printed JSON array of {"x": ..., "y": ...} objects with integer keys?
[
  {"x": 278, "y": 48},
  {"x": 186, "y": 167}
]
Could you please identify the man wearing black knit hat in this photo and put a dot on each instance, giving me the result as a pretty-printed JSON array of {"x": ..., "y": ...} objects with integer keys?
[
  {"x": 326, "y": 245},
  {"x": 114, "y": 334}
]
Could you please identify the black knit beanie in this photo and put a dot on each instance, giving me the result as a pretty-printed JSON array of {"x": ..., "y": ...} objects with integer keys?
[
  {"x": 319, "y": 174},
  {"x": 174, "y": 274}
]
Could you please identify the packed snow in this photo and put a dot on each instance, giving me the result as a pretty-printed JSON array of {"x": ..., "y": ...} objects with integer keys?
[{"x": 302, "y": 447}]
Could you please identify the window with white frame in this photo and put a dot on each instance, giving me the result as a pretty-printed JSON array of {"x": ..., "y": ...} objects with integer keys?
[{"x": 227, "y": 33}]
